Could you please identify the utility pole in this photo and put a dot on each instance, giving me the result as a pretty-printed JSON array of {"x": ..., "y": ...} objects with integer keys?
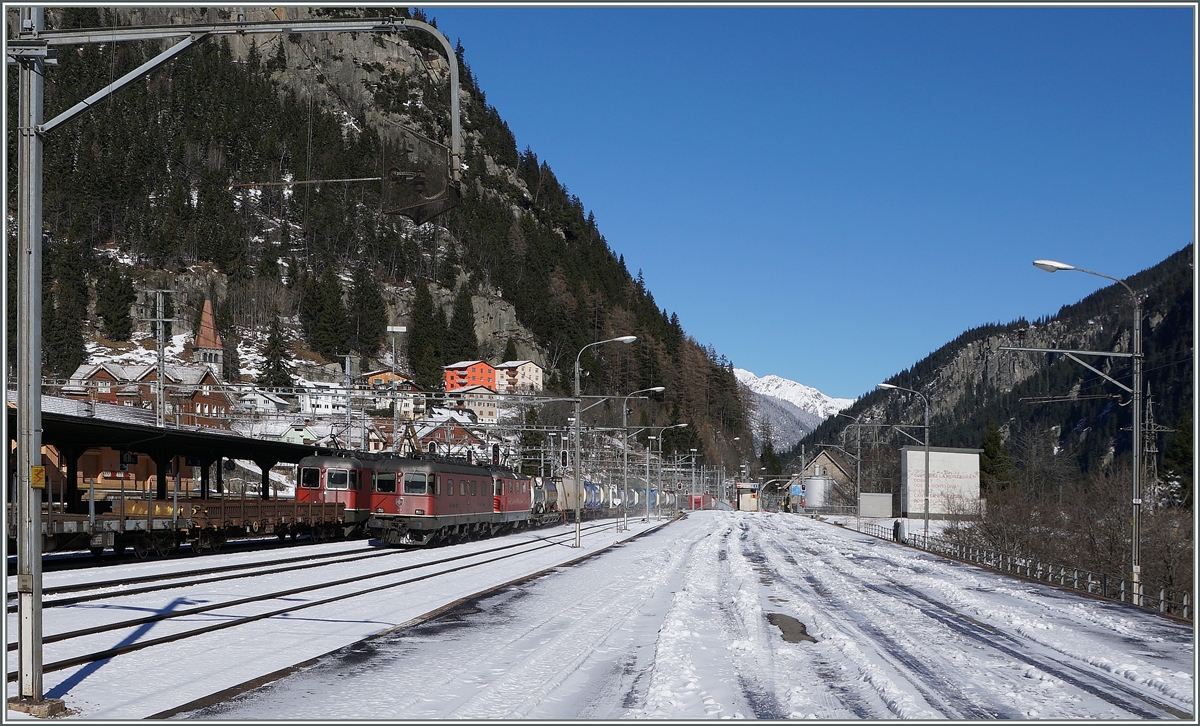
[
  {"x": 393, "y": 329},
  {"x": 32, "y": 58},
  {"x": 160, "y": 320}
]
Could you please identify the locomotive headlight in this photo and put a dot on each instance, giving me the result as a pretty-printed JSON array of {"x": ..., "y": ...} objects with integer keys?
[
  {"x": 379, "y": 510},
  {"x": 418, "y": 511}
]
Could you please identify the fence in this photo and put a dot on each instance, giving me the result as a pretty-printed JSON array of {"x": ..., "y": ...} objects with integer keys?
[{"x": 1096, "y": 584}]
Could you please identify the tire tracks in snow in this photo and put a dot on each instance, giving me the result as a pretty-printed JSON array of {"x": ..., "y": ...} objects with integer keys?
[
  {"x": 938, "y": 686},
  {"x": 1042, "y": 657},
  {"x": 1137, "y": 703}
]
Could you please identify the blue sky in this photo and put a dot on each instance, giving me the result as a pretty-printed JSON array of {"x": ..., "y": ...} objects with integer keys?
[{"x": 830, "y": 194}]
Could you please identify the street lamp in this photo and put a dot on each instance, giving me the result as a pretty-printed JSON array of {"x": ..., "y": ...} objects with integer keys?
[
  {"x": 693, "y": 502},
  {"x": 1053, "y": 266},
  {"x": 857, "y": 466},
  {"x": 926, "y": 401},
  {"x": 649, "y": 443},
  {"x": 578, "y": 418},
  {"x": 724, "y": 491},
  {"x": 625, "y": 452}
]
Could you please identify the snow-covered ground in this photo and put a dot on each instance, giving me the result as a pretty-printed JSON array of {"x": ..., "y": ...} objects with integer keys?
[{"x": 722, "y": 614}]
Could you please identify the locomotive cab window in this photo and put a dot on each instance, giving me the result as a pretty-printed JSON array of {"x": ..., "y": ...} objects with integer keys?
[
  {"x": 385, "y": 482},
  {"x": 414, "y": 483},
  {"x": 310, "y": 478},
  {"x": 499, "y": 488},
  {"x": 337, "y": 479},
  {"x": 449, "y": 487}
]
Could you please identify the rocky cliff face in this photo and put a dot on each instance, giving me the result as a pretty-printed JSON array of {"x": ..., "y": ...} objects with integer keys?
[{"x": 344, "y": 76}]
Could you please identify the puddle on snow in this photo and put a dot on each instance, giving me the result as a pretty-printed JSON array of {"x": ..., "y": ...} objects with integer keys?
[{"x": 793, "y": 630}]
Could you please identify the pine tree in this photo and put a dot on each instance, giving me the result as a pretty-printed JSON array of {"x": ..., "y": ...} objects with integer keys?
[
  {"x": 995, "y": 464},
  {"x": 1177, "y": 460},
  {"x": 449, "y": 267},
  {"x": 64, "y": 308},
  {"x": 368, "y": 313},
  {"x": 323, "y": 316},
  {"x": 268, "y": 262},
  {"x": 770, "y": 460},
  {"x": 275, "y": 371},
  {"x": 114, "y": 296},
  {"x": 425, "y": 339},
  {"x": 461, "y": 343},
  {"x": 510, "y": 350},
  {"x": 231, "y": 364}
]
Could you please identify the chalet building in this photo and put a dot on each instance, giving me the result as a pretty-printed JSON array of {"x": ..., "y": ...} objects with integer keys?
[
  {"x": 207, "y": 348},
  {"x": 449, "y": 433},
  {"x": 194, "y": 395},
  {"x": 409, "y": 397},
  {"x": 479, "y": 400},
  {"x": 319, "y": 398},
  {"x": 830, "y": 464},
  {"x": 257, "y": 401},
  {"x": 518, "y": 376},
  {"x": 470, "y": 373}
]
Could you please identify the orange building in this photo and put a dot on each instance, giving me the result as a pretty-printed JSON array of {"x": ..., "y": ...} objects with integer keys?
[{"x": 470, "y": 373}]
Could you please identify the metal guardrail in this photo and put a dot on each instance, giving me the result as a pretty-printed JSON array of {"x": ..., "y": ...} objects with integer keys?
[{"x": 1096, "y": 584}]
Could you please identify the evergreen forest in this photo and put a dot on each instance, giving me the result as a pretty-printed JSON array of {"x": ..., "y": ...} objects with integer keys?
[{"x": 167, "y": 176}]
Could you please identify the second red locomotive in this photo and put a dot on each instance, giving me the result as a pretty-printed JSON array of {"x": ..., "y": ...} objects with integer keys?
[{"x": 420, "y": 501}]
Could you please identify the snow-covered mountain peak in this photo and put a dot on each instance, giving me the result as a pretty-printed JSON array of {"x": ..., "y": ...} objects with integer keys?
[{"x": 797, "y": 394}]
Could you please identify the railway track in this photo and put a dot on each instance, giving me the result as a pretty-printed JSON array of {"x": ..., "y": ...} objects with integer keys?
[
  {"x": 359, "y": 584},
  {"x": 104, "y": 589},
  {"x": 70, "y": 561}
]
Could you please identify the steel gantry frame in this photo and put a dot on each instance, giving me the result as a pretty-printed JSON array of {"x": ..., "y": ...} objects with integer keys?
[{"x": 31, "y": 50}]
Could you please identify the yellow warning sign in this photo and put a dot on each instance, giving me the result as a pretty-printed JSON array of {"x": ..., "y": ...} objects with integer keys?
[{"x": 37, "y": 477}]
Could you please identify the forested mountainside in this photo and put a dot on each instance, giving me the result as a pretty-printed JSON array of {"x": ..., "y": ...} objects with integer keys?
[
  {"x": 141, "y": 192},
  {"x": 1051, "y": 419}
]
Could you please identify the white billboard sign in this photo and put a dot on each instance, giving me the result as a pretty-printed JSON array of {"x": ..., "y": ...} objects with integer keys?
[{"x": 953, "y": 481}]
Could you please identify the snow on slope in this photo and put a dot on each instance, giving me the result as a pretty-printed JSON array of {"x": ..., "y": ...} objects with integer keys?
[
  {"x": 797, "y": 394},
  {"x": 792, "y": 409}
]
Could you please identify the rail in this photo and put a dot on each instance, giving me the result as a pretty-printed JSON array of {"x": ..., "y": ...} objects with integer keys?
[{"x": 1096, "y": 584}]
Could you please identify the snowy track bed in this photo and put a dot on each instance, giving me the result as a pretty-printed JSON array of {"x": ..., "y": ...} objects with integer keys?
[
  {"x": 164, "y": 677},
  {"x": 689, "y": 622}
]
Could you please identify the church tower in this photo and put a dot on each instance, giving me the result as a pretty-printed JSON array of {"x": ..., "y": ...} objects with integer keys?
[{"x": 207, "y": 348}]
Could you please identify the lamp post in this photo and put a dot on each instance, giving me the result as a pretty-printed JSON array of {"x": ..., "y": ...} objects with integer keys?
[
  {"x": 693, "y": 502},
  {"x": 394, "y": 329},
  {"x": 578, "y": 417},
  {"x": 724, "y": 491},
  {"x": 649, "y": 443},
  {"x": 926, "y": 401},
  {"x": 1135, "y": 547},
  {"x": 857, "y": 467},
  {"x": 625, "y": 452}
]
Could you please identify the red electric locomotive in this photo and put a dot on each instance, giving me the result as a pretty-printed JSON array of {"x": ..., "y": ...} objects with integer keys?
[
  {"x": 512, "y": 499},
  {"x": 336, "y": 479},
  {"x": 428, "y": 501}
]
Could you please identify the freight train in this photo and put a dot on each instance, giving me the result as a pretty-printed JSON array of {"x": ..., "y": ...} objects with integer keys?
[
  {"x": 419, "y": 501},
  {"x": 424, "y": 501}
]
